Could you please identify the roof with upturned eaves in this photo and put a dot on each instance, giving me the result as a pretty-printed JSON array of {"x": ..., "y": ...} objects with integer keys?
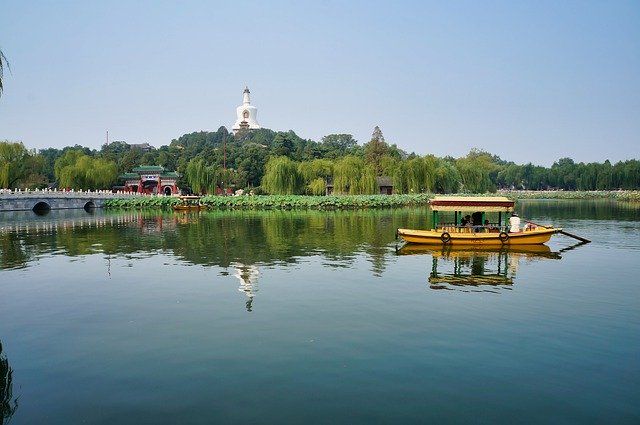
[{"x": 148, "y": 169}]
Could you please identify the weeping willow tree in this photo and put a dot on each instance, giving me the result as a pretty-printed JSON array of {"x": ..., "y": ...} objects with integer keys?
[
  {"x": 475, "y": 171},
  {"x": 414, "y": 174},
  {"x": 393, "y": 167},
  {"x": 420, "y": 174},
  {"x": 315, "y": 174},
  {"x": 282, "y": 177},
  {"x": 77, "y": 170},
  {"x": 13, "y": 157},
  {"x": 368, "y": 184},
  {"x": 201, "y": 177},
  {"x": 317, "y": 186},
  {"x": 346, "y": 175},
  {"x": 447, "y": 178}
]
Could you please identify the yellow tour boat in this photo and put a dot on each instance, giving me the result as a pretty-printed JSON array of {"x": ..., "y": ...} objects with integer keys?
[
  {"x": 476, "y": 228},
  {"x": 189, "y": 203}
]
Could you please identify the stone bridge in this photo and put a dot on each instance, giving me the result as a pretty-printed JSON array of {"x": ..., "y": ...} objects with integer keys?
[{"x": 54, "y": 200}]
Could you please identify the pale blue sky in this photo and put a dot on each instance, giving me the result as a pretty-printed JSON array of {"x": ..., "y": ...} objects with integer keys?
[{"x": 530, "y": 81}]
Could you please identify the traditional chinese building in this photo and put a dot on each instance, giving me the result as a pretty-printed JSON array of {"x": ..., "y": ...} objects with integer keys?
[
  {"x": 246, "y": 114},
  {"x": 151, "y": 180}
]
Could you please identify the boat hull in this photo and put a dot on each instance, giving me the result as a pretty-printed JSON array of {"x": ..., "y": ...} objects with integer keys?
[{"x": 432, "y": 237}]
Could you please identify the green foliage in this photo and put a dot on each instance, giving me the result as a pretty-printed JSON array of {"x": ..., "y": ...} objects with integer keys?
[
  {"x": 346, "y": 175},
  {"x": 317, "y": 187},
  {"x": 337, "y": 158},
  {"x": 315, "y": 175},
  {"x": 250, "y": 162},
  {"x": 282, "y": 177},
  {"x": 201, "y": 177},
  {"x": 368, "y": 184},
  {"x": 336, "y": 146},
  {"x": 475, "y": 170},
  {"x": 74, "y": 169},
  {"x": 447, "y": 178},
  {"x": 310, "y": 170},
  {"x": 19, "y": 167},
  {"x": 376, "y": 149},
  {"x": 8, "y": 403},
  {"x": 278, "y": 202}
]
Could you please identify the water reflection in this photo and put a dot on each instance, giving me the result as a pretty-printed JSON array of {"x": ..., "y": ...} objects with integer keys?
[
  {"x": 213, "y": 238},
  {"x": 248, "y": 277},
  {"x": 477, "y": 269},
  {"x": 8, "y": 404}
]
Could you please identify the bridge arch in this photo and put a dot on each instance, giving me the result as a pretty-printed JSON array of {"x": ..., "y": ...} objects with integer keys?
[
  {"x": 41, "y": 208},
  {"x": 89, "y": 206}
]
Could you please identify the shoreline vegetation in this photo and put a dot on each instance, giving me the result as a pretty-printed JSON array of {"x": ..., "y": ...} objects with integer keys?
[{"x": 257, "y": 202}]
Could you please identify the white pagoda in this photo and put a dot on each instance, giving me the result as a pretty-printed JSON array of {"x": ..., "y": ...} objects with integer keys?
[{"x": 246, "y": 114}]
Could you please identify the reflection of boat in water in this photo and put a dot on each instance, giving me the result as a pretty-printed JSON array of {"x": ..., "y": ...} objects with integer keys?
[
  {"x": 482, "y": 231},
  {"x": 453, "y": 268},
  {"x": 189, "y": 203}
]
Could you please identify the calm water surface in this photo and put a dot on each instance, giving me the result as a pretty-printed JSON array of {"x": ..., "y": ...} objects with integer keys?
[{"x": 313, "y": 317}]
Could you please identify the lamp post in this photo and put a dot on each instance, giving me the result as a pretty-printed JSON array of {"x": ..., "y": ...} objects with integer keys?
[
  {"x": 224, "y": 157},
  {"x": 224, "y": 148}
]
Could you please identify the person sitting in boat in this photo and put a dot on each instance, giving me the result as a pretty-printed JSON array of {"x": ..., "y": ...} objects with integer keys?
[
  {"x": 465, "y": 223},
  {"x": 476, "y": 221},
  {"x": 489, "y": 228},
  {"x": 514, "y": 223}
]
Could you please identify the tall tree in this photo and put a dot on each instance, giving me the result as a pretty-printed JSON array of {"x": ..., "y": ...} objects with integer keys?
[
  {"x": 77, "y": 170},
  {"x": 281, "y": 177},
  {"x": 202, "y": 177},
  {"x": 315, "y": 174},
  {"x": 250, "y": 161},
  {"x": 376, "y": 149},
  {"x": 338, "y": 145},
  {"x": 347, "y": 174},
  {"x": 17, "y": 164}
]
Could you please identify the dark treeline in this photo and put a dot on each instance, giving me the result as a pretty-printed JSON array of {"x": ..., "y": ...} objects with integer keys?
[{"x": 266, "y": 161}]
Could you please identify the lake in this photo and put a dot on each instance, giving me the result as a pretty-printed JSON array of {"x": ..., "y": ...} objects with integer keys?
[{"x": 288, "y": 317}]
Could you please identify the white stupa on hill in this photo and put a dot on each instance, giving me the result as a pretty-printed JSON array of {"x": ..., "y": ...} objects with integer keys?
[{"x": 246, "y": 114}]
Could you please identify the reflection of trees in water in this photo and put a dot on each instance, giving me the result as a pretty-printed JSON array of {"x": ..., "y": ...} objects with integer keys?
[
  {"x": 596, "y": 209},
  {"x": 217, "y": 238},
  {"x": 8, "y": 404}
]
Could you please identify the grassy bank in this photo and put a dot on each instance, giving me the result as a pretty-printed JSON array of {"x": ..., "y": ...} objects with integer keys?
[{"x": 349, "y": 202}]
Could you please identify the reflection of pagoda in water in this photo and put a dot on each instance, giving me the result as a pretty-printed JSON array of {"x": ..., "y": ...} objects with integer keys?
[{"x": 248, "y": 276}]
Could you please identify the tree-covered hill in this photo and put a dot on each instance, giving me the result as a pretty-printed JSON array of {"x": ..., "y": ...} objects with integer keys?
[{"x": 267, "y": 161}]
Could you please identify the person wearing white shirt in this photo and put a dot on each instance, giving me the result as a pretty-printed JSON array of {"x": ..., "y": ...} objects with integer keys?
[{"x": 514, "y": 223}]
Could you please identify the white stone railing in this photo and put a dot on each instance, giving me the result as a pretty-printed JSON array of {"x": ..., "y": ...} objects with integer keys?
[{"x": 74, "y": 193}]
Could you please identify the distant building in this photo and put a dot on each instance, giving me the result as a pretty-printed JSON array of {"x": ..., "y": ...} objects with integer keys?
[
  {"x": 144, "y": 147},
  {"x": 150, "y": 180},
  {"x": 385, "y": 185},
  {"x": 246, "y": 114}
]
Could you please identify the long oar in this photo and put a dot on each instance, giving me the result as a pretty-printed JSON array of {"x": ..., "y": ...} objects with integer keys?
[{"x": 580, "y": 238}]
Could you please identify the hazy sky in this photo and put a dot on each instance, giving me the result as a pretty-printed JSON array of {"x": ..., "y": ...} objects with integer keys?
[{"x": 530, "y": 81}]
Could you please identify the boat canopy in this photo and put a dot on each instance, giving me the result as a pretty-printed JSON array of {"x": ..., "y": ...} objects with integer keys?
[{"x": 470, "y": 203}]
